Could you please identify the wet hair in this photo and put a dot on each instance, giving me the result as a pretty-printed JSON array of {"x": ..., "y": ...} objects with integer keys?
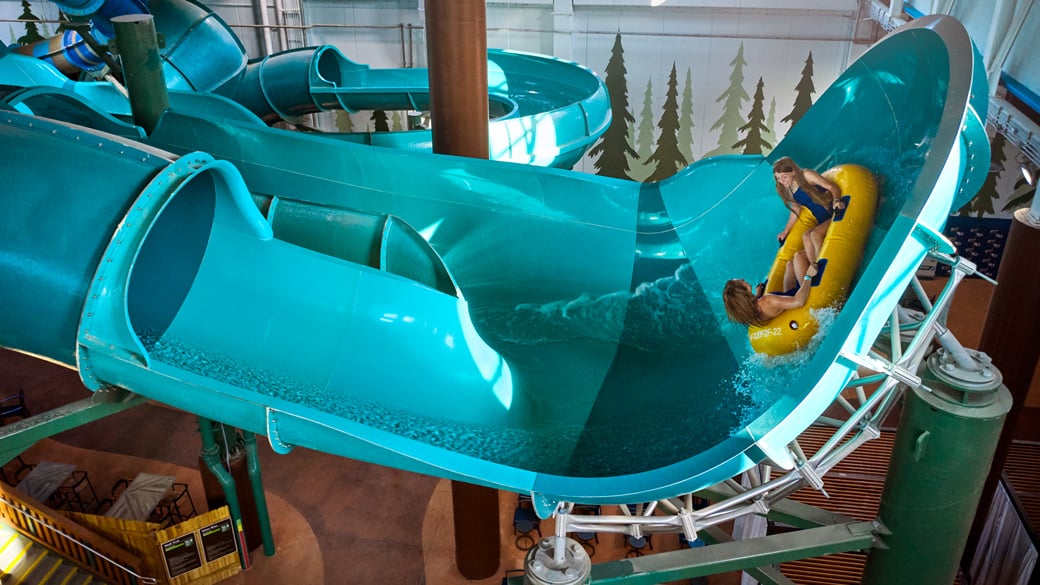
[
  {"x": 786, "y": 164},
  {"x": 741, "y": 304}
]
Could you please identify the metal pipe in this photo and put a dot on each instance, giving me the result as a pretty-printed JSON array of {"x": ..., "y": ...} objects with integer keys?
[
  {"x": 223, "y": 476},
  {"x": 253, "y": 467},
  {"x": 560, "y": 542},
  {"x": 142, "y": 68},
  {"x": 954, "y": 348},
  {"x": 282, "y": 34},
  {"x": 265, "y": 22},
  {"x": 1034, "y": 209},
  {"x": 404, "y": 58}
]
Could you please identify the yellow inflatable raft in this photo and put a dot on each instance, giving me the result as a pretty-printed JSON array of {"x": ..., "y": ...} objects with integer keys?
[{"x": 839, "y": 258}]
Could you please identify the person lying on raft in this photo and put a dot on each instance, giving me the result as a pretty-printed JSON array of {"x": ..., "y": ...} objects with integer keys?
[
  {"x": 745, "y": 305},
  {"x": 799, "y": 188}
]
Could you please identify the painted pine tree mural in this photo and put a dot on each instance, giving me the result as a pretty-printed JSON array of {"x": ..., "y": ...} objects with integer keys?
[
  {"x": 382, "y": 123},
  {"x": 344, "y": 122},
  {"x": 754, "y": 141},
  {"x": 770, "y": 134},
  {"x": 983, "y": 200},
  {"x": 686, "y": 118},
  {"x": 634, "y": 165},
  {"x": 32, "y": 32},
  {"x": 1022, "y": 194},
  {"x": 612, "y": 153},
  {"x": 645, "y": 134},
  {"x": 803, "y": 94},
  {"x": 732, "y": 100},
  {"x": 667, "y": 157}
]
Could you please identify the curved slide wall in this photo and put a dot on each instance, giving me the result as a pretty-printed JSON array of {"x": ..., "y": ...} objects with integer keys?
[
  {"x": 586, "y": 357},
  {"x": 545, "y": 111}
]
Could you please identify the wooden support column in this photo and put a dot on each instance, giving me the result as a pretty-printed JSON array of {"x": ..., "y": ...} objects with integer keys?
[
  {"x": 456, "y": 45},
  {"x": 1011, "y": 338}
]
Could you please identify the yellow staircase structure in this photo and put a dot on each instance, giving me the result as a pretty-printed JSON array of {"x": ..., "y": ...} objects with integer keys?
[
  {"x": 24, "y": 562},
  {"x": 35, "y": 539}
]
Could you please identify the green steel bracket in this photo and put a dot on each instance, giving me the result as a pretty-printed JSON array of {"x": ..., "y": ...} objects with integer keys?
[
  {"x": 764, "y": 575},
  {"x": 737, "y": 555},
  {"x": 801, "y": 515},
  {"x": 16, "y": 437}
]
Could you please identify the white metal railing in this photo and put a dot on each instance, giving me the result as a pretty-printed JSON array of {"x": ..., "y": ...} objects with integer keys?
[
  {"x": 909, "y": 339},
  {"x": 1016, "y": 127},
  {"x": 77, "y": 543},
  {"x": 883, "y": 15}
]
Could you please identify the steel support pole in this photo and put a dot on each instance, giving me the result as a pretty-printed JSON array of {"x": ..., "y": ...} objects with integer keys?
[
  {"x": 1011, "y": 337},
  {"x": 210, "y": 457},
  {"x": 456, "y": 46},
  {"x": 143, "y": 75},
  {"x": 667, "y": 567},
  {"x": 943, "y": 449},
  {"x": 257, "y": 483},
  {"x": 17, "y": 437}
]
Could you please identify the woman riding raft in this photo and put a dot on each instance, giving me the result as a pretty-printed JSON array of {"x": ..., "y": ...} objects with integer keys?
[{"x": 831, "y": 218}]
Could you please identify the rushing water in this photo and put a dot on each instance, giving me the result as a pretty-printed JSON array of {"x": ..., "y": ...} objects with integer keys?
[
  {"x": 615, "y": 384},
  {"x": 611, "y": 384}
]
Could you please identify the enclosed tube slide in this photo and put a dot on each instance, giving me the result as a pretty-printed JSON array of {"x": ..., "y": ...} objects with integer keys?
[
  {"x": 544, "y": 111},
  {"x": 585, "y": 357},
  {"x": 69, "y": 51}
]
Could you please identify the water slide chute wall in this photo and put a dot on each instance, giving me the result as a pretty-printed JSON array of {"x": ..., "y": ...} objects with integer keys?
[
  {"x": 587, "y": 356},
  {"x": 545, "y": 111}
]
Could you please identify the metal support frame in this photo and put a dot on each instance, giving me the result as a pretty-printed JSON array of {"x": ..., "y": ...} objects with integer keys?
[
  {"x": 892, "y": 365},
  {"x": 18, "y": 436}
]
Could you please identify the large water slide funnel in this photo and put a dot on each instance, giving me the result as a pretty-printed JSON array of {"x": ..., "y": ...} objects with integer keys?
[
  {"x": 605, "y": 421},
  {"x": 901, "y": 110}
]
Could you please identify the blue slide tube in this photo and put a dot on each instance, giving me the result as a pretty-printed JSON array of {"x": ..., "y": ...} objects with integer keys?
[
  {"x": 545, "y": 111},
  {"x": 69, "y": 51},
  {"x": 585, "y": 356}
]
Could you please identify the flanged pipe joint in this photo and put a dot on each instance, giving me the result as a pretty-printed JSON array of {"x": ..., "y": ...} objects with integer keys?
[
  {"x": 545, "y": 565},
  {"x": 967, "y": 382}
]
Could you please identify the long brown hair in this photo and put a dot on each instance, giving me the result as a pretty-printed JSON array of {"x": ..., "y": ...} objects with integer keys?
[
  {"x": 786, "y": 164},
  {"x": 741, "y": 304}
]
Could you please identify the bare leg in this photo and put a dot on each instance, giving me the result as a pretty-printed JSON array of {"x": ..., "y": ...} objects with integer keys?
[
  {"x": 813, "y": 241},
  {"x": 795, "y": 270}
]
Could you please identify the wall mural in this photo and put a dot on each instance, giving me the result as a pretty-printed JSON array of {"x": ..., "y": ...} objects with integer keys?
[
  {"x": 662, "y": 142},
  {"x": 655, "y": 132}
]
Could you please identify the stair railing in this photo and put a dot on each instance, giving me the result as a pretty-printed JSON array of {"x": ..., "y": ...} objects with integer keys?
[{"x": 89, "y": 550}]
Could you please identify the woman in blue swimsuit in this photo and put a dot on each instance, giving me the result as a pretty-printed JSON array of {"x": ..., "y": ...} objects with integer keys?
[
  {"x": 746, "y": 305},
  {"x": 800, "y": 188}
]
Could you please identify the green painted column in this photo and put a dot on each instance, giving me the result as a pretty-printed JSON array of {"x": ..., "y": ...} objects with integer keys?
[
  {"x": 138, "y": 49},
  {"x": 257, "y": 483},
  {"x": 456, "y": 50},
  {"x": 210, "y": 456},
  {"x": 948, "y": 432}
]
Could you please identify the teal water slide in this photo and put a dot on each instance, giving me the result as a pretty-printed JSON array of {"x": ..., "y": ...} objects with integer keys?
[
  {"x": 544, "y": 111},
  {"x": 530, "y": 329}
]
